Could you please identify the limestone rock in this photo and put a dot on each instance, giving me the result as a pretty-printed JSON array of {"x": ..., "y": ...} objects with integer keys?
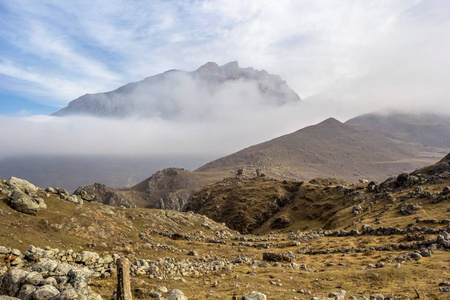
[
  {"x": 176, "y": 294},
  {"x": 22, "y": 185},
  {"x": 45, "y": 292},
  {"x": 22, "y": 202},
  {"x": 338, "y": 295},
  {"x": 48, "y": 265},
  {"x": 254, "y": 296},
  {"x": 11, "y": 281},
  {"x": 26, "y": 291}
]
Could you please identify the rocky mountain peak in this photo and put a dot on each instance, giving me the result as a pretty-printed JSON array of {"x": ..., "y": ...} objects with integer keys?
[
  {"x": 159, "y": 95},
  {"x": 230, "y": 70}
]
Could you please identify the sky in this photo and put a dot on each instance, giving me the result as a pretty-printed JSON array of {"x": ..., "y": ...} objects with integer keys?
[{"x": 342, "y": 57}]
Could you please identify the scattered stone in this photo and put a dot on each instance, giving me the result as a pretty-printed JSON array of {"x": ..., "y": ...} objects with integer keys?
[
  {"x": 277, "y": 257},
  {"x": 254, "y": 296},
  {"x": 45, "y": 292},
  {"x": 4, "y": 250},
  {"x": 176, "y": 294},
  {"x": 338, "y": 295},
  {"x": 357, "y": 210}
]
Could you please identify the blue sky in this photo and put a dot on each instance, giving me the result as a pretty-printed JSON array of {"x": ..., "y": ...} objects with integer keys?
[{"x": 364, "y": 54}]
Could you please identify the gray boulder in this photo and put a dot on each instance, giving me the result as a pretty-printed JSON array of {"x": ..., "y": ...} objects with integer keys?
[
  {"x": 33, "y": 278},
  {"x": 75, "y": 199},
  {"x": 26, "y": 292},
  {"x": 338, "y": 295},
  {"x": 22, "y": 185},
  {"x": 79, "y": 277},
  {"x": 11, "y": 282},
  {"x": 88, "y": 257},
  {"x": 4, "y": 250},
  {"x": 176, "y": 294},
  {"x": 63, "y": 269},
  {"x": 45, "y": 292},
  {"x": 22, "y": 202},
  {"x": 48, "y": 265},
  {"x": 254, "y": 296},
  {"x": 3, "y": 297},
  {"x": 69, "y": 294}
]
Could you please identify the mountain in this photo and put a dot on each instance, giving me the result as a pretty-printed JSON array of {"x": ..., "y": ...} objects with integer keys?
[
  {"x": 169, "y": 95},
  {"x": 429, "y": 130},
  {"x": 330, "y": 149},
  {"x": 353, "y": 150}
]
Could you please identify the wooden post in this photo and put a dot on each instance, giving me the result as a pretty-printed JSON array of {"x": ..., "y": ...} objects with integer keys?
[{"x": 123, "y": 279}]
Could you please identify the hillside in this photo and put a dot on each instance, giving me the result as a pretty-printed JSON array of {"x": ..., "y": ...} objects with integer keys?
[
  {"x": 379, "y": 238},
  {"x": 258, "y": 204},
  {"x": 425, "y": 129},
  {"x": 329, "y": 149},
  {"x": 170, "y": 94}
]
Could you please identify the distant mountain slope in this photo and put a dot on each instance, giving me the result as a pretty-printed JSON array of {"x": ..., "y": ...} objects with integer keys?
[
  {"x": 426, "y": 129},
  {"x": 169, "y": 95},
  {"x": 328, "y": 149}
]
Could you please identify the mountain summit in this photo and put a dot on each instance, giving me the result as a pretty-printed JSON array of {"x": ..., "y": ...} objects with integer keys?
[{"x": 174, "y": 94}]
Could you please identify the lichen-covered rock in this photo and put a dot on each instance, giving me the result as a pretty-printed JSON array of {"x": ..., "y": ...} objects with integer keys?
[
  {"x": 88, "y": 257},
  {"x": 48, "y": 265},
  {"x": 26, "y": 292},
  {"x": 22, "y": 202},
  {"x": 45, "y": 292},
  {"x": 254, "y": 296},
  {"x": 79, "y": 277},
  {"x": 338, "y": 295},
  {"x": 22, "y": 185},
  {"x": 10, "y": 284},
  {"x": 33, "y": 278},
  {"x": 176, "y": 294}
]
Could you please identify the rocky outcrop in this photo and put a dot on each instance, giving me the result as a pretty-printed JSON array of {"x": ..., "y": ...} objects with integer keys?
[
  {"x": 23, "y": 196},
  {"x": 170, "y": 188},
  {"x": 103, "y": 194}
]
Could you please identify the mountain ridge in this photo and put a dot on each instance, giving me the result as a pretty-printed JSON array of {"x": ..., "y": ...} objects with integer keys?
[{"x": 162, "y": 94}]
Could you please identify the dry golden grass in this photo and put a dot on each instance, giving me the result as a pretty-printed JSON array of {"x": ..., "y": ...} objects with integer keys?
[{"x": 112, "y": 229}]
